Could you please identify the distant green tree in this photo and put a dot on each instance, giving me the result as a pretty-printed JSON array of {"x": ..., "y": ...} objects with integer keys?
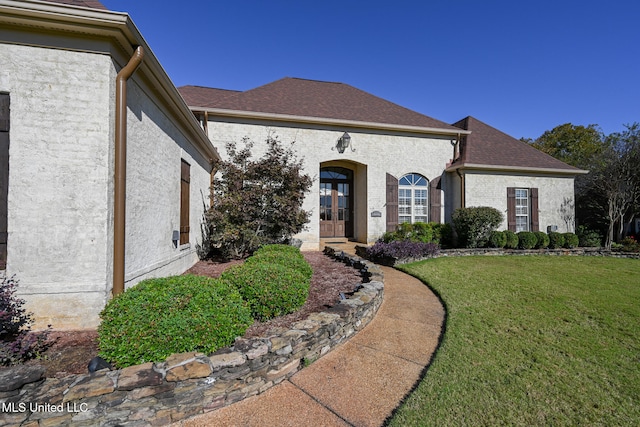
[
  {"x": 255, "y": 201},
  {"x": 608, "y": 197},
  {"x": 618, "y": 180},
  {"x": 577, "y": 146}
]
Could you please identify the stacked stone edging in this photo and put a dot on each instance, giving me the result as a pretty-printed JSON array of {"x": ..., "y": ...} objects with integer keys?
[
  {"x": 361, "y": 250},
  {"x": 188, "y": 384}
]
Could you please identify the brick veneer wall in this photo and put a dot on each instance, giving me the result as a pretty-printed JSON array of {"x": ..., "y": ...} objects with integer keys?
[{"x": 190, "y": 383}]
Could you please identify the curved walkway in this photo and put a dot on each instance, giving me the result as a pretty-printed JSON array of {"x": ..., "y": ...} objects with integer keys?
[{"x": 362, "y": 381}]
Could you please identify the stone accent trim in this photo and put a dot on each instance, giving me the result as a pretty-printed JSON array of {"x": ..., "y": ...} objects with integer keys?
[
  {"x": 361, "y": 251},
  {"x": 193, "y": 383}
]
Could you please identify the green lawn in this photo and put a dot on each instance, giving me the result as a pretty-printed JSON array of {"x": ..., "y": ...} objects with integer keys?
[{"x": 532, "y": 340}]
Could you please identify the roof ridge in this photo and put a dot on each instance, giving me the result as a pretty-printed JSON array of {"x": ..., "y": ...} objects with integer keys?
[{"x": 209, "y": 87}]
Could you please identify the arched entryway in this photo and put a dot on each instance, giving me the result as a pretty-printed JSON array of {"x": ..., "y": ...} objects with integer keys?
[{"x": 336, "y": 202}]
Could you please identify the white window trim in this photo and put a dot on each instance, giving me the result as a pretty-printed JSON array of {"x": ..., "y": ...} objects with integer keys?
[
  {"x": 519, "y": 212},
  {"x": 411, "y": 217}
]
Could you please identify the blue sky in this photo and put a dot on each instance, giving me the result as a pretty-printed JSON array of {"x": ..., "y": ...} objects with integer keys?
[{"x": 521, "y": 66}]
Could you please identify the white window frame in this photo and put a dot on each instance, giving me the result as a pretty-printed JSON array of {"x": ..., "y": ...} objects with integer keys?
[
  {"x": 523, "y": 210},
  {"x": 413, "y": 198}
]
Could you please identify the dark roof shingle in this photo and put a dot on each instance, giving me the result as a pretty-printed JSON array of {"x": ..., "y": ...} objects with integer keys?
[
  {"x": 93, "y": 4},
  {"x": 487, "y": 146},
  {"x": 311, "y": 98}
]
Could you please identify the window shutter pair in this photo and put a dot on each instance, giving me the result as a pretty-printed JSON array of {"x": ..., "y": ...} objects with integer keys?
[
  {"x": 435, "y": 202},
  {"x": 534, "y": 222}
]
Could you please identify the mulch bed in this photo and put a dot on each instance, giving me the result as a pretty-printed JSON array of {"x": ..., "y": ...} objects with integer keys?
[{"x": 71, "y": 351}]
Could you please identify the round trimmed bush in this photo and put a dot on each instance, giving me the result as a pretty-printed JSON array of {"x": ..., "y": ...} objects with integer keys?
[
  {"x": 284, "y": 257},
  {"x": 475, "y": 224},
  {"x": 269, "y": 289},
  {"x": 497, "y": 239},
  {"x": 556, "y": 240},
  {"x": 542, "y": 239},
  {"x": 571, "y": 240},
  {"x": 526, "y": 240},
  {"x": 278, "y": 248},
  {"x": 512, "y": 239},
  {"x": 159, "y": 317}
]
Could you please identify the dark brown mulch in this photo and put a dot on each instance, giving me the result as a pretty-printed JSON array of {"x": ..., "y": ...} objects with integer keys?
[{"x": 71, "y": 351}]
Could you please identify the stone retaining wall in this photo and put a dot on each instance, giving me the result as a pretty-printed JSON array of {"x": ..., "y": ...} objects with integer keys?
[
  {"x": 361, "y": 251},
  {"x": 190, "y": 383}
]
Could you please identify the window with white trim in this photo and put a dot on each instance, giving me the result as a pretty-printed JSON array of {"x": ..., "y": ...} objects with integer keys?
[
  {"x": 522, "y": 209},
  {"x": 413, "y": 203}
]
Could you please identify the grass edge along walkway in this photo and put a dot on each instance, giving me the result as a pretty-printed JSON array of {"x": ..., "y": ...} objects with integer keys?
[{"x": 531, "y": 341}]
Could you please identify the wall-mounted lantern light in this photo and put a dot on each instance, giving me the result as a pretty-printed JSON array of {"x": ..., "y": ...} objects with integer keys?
[{"x": 344, "y": 142}]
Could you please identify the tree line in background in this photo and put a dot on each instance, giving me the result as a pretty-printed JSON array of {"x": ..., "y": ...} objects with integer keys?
[{"x": 608, "y": 197}]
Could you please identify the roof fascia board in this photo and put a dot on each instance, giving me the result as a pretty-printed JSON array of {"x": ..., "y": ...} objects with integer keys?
[
  {"x": 221, "y": 112},
  {"x": 499, "y": 168},
  {"x": 116, "y": 26}
]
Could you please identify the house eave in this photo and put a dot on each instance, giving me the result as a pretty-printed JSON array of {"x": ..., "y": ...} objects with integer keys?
[
  {"x": 221, "y": 112},
  {"x": 123, "y": 33},
  {"x": 519, "y": 169}
]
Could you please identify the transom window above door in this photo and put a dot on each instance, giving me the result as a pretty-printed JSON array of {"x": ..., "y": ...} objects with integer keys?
[
  {"x": 335, "y": 173},
  {"x": 413, "y": 203}
]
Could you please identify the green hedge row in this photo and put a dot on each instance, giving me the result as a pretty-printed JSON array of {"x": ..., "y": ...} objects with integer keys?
[
  {"x": 532, "y": 240},
  {"x": 159, "y": 317}
]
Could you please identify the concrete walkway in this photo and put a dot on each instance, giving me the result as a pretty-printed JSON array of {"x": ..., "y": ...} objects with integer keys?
[{"x": 360, "y": 382}]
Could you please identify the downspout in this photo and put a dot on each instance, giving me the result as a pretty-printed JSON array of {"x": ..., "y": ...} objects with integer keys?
[
  {"x": 462, "y": 189},
  {"x": 120, "y": 179}
]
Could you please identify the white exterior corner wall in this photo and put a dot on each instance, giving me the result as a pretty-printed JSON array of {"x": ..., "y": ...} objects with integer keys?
[
  {"x": 61, "y": 188},
  {"x": 376, "y": 154},
  {"x": 60, "y": 166},
  {"x": 485, "y": 188},
  {"x": 155, "y": 148}
]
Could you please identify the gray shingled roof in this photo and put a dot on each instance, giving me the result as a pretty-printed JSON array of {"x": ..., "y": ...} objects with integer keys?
[
  {"x": 311, "y": 98},
  {"x": 487, "y": 146},
  {"x": 94, "y": 4}
]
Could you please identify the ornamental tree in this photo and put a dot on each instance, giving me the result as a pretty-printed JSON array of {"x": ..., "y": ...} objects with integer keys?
[{"x": 255, "y": 201}]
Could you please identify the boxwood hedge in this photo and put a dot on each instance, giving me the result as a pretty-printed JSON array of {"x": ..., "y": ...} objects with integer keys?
[
  {"x": 270, "y": 289},
  {"x": 287, "y": 256},
  {"x": 526, "y": 240},
  {"x": 159, "y": 317}
]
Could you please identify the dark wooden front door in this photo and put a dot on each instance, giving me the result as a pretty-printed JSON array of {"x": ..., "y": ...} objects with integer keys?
[{"x": 336, "y": 202}]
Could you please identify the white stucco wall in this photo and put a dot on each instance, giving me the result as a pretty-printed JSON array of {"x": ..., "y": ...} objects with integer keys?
[
  {"x": 60, "y": 143},
  {"x": 375, "y": 155},
  {"x": 490, "y": 189},
  {"x": 60, "y": 220},
  {"x": 155, "y": 147}
]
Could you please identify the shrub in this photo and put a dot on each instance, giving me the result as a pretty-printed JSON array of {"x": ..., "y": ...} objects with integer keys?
[
  {"x": 512, "y": 239},
  {"x": 401, "y": 249},
  {"x": 269, "y": 289},
  {"x": 159, "y": 317},
  {"x": 284, "y": 255},
  {"x": 630, "y": 244},
  {"x": 497, "y": 239},
  {"x": 474, "y": 225},
  {"x": 443, "y": 234},
  {"x": 526, "y": 240},
  {"x": 256, "y": 201},
  {"x": 278, "y": 248},
  {"x": 556, "y": 240},
  {"x": 588, "y": 238},
  {"x": 542, "y": 240},
  {"x": 17, "y": 342},
  {"x": 424, "y": 232},
  {"x": 570, "y": 241}
]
